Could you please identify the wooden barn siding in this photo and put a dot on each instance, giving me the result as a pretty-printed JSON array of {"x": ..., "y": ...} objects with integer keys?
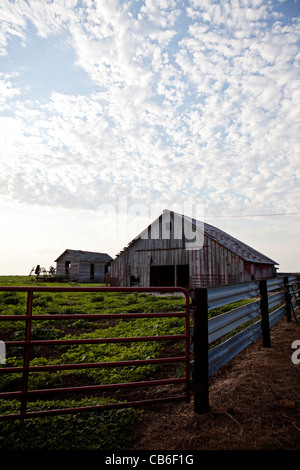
[
  {"x": 85, "y": 271},
  {"x": 212, "y": 259},
  {"x": 215, "y": 260},
  {"x": 257, "y": 271},
  {"x": 135, "y": 260},
  {"x": 80, "y": 270},
  {"x": 61, "y": 267}
]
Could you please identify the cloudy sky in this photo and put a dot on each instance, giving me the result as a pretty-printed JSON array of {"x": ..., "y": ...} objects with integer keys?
[{"x": 111, "y": 107}]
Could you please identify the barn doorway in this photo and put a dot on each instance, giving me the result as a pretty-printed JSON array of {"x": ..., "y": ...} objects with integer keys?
[
  {"x": 67, "y": 267},
  {"x": 92, "y": 271},
  {"x": 183, "y": 275},
  {"x": 162, "y": 276}
]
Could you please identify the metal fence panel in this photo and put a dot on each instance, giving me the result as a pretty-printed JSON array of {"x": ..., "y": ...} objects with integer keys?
[
  {"x": 220, "y": 355},
  {"x": 276, "y": 299},
  {"x": 275, "y": 316},
  {"x": 225, "y": 323},
  {"x": 222, "y": 324},
  {"x": 271, "y": 294},
  {"x": 275, "y": 283},
  {"x": 218, "y": 296}
]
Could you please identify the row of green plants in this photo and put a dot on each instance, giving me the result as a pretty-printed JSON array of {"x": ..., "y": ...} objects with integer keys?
[{"x": 110, "y": 429}]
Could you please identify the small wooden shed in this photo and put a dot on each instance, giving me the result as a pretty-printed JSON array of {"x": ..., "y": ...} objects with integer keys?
[
  {"x": 82, "y": 266},
  {"x": 176, "y": 250}
]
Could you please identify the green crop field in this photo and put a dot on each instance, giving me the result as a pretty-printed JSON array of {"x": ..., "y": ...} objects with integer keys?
[{"x": 110, "y": 429}]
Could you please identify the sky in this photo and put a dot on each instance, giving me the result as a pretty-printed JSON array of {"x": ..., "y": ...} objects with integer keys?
[{"x": 113, "y": 110}]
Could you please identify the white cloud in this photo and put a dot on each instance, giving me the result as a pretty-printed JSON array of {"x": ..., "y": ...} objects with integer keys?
[{"x": 188, "y": 102}]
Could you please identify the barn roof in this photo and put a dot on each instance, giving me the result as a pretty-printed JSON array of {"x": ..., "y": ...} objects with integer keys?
[
  {"x": 246, "y": 252},
  {"x": 89, "y": 256}
]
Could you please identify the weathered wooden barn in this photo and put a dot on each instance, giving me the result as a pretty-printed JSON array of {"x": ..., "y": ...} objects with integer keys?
[
  {"x": 82, "y": 266},
  {"x": 176, "y": 250}
]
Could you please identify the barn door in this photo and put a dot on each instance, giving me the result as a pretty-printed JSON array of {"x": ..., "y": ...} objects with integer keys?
[
  {"x": 183, "y": 272},
  {"x": 162, "y": 276},
  {"x": 92, "y": 271}
]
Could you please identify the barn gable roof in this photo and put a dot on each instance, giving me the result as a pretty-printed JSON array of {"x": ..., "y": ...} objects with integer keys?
[
  {"x": 90, "y": 256},
  {"x": 246, "y": 252}
]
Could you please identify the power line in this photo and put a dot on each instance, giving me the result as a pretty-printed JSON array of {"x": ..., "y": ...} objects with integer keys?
[{"x": 253, "y": 215}]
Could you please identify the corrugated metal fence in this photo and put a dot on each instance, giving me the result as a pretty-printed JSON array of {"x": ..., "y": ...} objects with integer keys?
[{"x": 269, "y": 301}]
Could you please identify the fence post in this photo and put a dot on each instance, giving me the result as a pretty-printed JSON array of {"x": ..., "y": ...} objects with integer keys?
[
  {"x": 200, "y": 317},
  {"x": 264, "y": 308},
  {"x": 26, "y": 352},
  {"x": 287, "y": 297}
]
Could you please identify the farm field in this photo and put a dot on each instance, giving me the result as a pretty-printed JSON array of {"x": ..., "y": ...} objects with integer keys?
[{"x": 108, "y": 429}]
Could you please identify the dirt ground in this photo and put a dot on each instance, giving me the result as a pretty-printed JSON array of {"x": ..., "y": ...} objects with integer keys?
[{"x": 254, "y": 404}]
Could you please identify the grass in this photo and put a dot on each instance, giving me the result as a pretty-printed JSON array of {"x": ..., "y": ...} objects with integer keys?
[
  {"x": 105, "y": 430},
  {"x": 109, "y": 429}
]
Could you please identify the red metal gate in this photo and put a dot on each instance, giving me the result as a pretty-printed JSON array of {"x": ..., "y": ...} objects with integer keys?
[{"x": 25, "y": 394}]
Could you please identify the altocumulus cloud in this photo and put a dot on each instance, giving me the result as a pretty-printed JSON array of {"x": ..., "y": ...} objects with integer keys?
[{"x": 167, "y": 100}]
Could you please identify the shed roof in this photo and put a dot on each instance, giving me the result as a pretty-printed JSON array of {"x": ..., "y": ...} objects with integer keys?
[
  {"x": 89, "y": 256},
  {"x": 246, "y": 252}
]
